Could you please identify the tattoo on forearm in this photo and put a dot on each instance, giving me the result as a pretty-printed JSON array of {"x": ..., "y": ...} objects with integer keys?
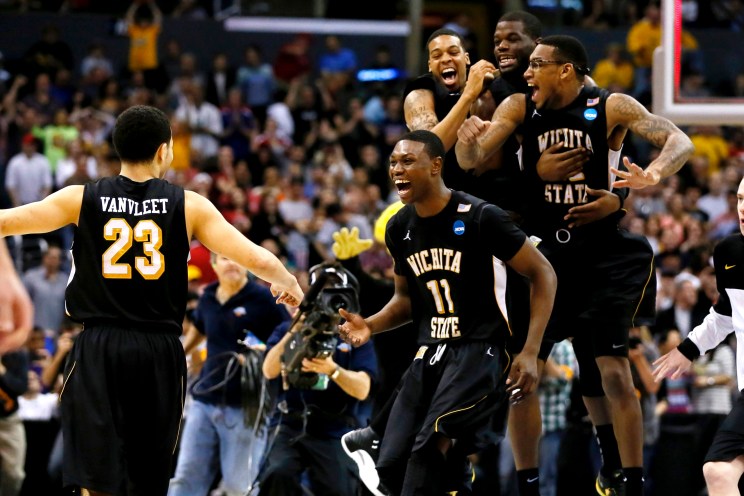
[
  {"x": 652, "y": 128},
  {"x": 421, "y": 119},
  {"x": 674, "y": 155},
  {"x": 660, "y": 132}
]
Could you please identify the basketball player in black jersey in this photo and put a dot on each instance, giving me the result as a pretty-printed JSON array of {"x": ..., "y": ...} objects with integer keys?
[
  {"x": 602, "y": 273},
  {"x": 440, "y": 101},
  {"x": 515, "y": 37},
  {"x": 124, "y": 385},
  {"x": 450, "y": 250},
  {"x": 724, "y": 462}
]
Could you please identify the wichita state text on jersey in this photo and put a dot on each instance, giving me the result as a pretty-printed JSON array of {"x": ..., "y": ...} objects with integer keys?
[
  {"x": 130, "y": 255},
  {"x": 582, "y": 123},
  {"x": 454, "y": 265}
]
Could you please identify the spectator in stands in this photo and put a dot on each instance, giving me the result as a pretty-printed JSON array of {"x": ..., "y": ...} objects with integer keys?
[
  {"x": 28, "y": 177},
  {"x": 49, "y": 54},
  {"x": 46, "y": 286},
  {"x": 642, "y": 353},
  {"x": 239, "y": 126},
  {"x": 144, "y": 23},
  {"x": 56, "y": 136},
  {"x": 554, "y": 392},
  {"x": 68, "y": 166},
  {"x": 709, "y": 142},
  {"x": 643, "y": 37},
  {"x": 13, "y": 383},
  {"x": 220, "y": 78},
  {"x": 96, "y": 59},
  {"x": 256, "y": 81},
  {"x": 614, "y": 72},
  {"x": 337, "y": 65},
  {"x": 204, "y": 121},
  {"x": 41, "y": 100},
  {"x": 292, "y": 62},
  {"x": 685, "y": 313}
]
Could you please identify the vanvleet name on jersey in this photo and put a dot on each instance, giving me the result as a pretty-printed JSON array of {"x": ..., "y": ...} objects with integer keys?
[{"x": 121, "y": 205}]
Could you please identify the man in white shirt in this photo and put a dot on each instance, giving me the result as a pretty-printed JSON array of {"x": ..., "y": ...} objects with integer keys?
[{"x": 29, "y": 174}]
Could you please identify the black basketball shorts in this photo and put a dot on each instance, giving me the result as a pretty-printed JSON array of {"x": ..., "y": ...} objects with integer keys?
[
  {"x": 451, "y": 389},
  {"x": 729, "y": 440},
  {"x": 601, "y": 292},
  {"x": 122, "y": 403}
]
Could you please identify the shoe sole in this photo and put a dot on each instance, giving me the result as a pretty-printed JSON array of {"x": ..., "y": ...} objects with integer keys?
[
  {"x": 367, "y": 471},
  {"x": 603, "y": 492}
]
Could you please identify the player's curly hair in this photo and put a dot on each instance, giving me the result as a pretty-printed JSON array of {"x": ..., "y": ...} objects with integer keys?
[{"x": 139, "y": 132}]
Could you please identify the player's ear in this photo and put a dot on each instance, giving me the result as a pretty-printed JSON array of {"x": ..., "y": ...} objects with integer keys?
[
  {"x": 436, "y": 165},
  {"x": 162, "y": 153}
]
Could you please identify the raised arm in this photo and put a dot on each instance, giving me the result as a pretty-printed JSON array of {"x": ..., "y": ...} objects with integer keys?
[
  {"x": 478, "y": 140},
  {"x": 676, "y": 147},
  {"x": 208, "y": 225},
  {"x": 53, "y": 212},
  {"x": 419, "y": 106}
]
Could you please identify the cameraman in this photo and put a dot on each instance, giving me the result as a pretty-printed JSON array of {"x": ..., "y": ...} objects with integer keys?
[
  {"x": 219, "y": 437},
  {"x": 309, "y": 422}
]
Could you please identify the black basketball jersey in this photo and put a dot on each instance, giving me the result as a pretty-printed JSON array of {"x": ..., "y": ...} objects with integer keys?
[
  {"x": 454, "y": 177},
  {"x": 130, "y": 255},
  {"x": 582, "y": 123},
  {"x": 454, "y": 265}
]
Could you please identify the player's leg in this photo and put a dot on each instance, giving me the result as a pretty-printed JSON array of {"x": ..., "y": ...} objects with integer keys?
[
  {"x": 722, "y": 478},
  {"x": 525, "y": 428},
  {"x": 609, "y": 478},
  {"x": 724, "y": 462},
  {"x": 627, "y": 419}
]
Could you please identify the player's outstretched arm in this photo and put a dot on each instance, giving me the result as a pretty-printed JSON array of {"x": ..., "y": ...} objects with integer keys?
[
  {"x": 53, "y": 212},
  {"x": 676, "y": 147},
  {"x": 207, "y": 224},
  {"x": 396, "y": 312}
]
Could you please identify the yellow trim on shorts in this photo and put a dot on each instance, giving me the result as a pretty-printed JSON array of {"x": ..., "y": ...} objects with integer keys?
[
  {"x": 643, "y": 293},
  {"x": 436, "y": 422}
]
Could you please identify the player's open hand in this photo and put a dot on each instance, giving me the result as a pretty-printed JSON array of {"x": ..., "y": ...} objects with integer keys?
[
  {"x": 556, "y": 165},
  {"x": 634, "y": 177},
  {"x": 522, "y": 377},
  {"x": 673, "y": 365},
  {"x": 292, "y": 296},
  {"x": 347, "y": 243},
  {"x": 606, "y": 203},
  {"x": 355, "y": 330}
]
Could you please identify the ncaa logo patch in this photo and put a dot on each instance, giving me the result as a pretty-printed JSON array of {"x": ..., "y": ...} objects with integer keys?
[
  {"x": 590, "y": 114},
  {"x": 458, "y": 227}
]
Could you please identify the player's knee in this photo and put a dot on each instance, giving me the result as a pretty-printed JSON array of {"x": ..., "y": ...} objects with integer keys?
[
  {"x": 617, "y": 382},
  {"x": 719, "y": 474}
]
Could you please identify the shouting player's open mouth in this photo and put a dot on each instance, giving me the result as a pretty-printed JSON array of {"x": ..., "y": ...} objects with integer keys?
[{"x": 404, "y": 188}]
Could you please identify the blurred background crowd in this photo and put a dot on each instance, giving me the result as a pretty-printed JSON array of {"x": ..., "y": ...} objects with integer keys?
[{"x": 291, "y": 140}]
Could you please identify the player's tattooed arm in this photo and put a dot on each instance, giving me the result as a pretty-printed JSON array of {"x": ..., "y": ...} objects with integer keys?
[
  {"x": 479, "y": 140},
  {"x": 418, "y": 109},
  {"x": 676, "y": 147}
]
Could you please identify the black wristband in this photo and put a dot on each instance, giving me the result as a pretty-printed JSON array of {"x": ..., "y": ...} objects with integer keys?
[{"x": 689, "y": 349}]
